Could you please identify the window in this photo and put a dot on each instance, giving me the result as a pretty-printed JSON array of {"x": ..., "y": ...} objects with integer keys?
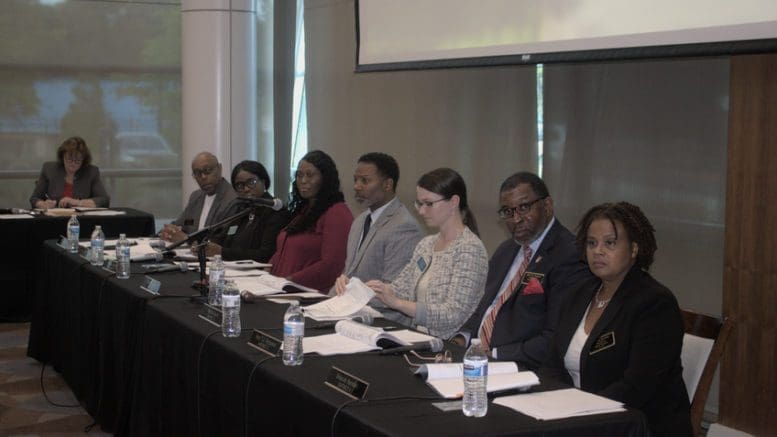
[
  {"x": 299, "y": 134},
  {"x": 106, "y": 71}
]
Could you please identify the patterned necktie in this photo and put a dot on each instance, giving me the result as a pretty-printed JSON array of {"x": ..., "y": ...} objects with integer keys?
[
  {"x": 488, "y": 325},
  {"x": 367, "y": 224}
]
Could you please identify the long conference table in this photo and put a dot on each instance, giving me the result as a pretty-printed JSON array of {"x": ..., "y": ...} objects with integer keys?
[
  {"x": 143, "y": 364},
  {"x": 23, "y": 238}
]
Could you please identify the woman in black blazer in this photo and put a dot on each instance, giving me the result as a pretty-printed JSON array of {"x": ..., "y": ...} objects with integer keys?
[
  {"x": 621, "y": 333},
  {"x": 253, "y": 236}
]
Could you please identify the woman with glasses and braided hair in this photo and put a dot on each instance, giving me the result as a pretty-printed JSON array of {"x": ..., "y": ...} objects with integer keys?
[
  {"x": 253, "y": 236},
  {"x": 621, "y": 333}
]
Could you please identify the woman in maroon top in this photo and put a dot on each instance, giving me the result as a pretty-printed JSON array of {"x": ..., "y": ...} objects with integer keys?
[{"x": 311, "y": 250}]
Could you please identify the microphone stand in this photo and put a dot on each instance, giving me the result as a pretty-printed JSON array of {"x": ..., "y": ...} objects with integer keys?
[{"x": 200, "y": 238}]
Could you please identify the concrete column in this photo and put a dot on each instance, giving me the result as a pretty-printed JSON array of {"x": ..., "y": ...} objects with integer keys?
[{"x": 218, "y": 63}]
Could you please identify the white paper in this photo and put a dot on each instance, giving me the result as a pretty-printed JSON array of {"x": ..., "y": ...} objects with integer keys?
[
  {"x": 103, "y": 213},
  {"x": 355, "y": 297},
  {"x": 456, "y": 370},
  {"x": 334, "y": 344},
  {"x": 353, "y": 337},
  {"x": 245, "y": 264},
  {"x": 453, "y": 388},
  {"x": 237, "y": 273},
  {"x": 559, "y": 404},
  {"x": 16, "y": 216}
]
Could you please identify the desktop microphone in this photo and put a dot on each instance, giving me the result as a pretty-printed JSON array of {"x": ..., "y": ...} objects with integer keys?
[
  {"x": 181, "y": 266},
  {"x": 432, "y": 345},
  {"x": 275, "y": 204}
]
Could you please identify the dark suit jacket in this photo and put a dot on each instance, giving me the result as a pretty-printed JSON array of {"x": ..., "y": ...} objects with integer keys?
[
  {"x": 252, "y": 238},
  {"x": 86, "y": 184},
  {"x": 525, "y": 324},
  {"x": 189, "y": 220},
  {"x": 642, "y": 368}
]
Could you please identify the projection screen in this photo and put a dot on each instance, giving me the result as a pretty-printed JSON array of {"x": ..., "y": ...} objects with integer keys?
[{"x": 408, "y": 34}]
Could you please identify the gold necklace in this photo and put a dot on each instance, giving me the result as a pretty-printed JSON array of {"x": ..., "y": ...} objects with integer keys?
[{"x": 599, "y": 302}]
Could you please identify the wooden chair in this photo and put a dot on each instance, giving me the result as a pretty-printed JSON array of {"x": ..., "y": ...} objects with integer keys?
[{"x": 703, "y": 345}]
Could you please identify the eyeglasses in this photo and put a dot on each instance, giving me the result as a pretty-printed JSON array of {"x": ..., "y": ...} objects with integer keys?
[
  {"x": 251, "y": 183},
  {"x": 74, "y": 159},
  {"x": 427, "y": 203},
  {"x": 205, "y": 171},
  {"x": 522, "y": 209},
  {"x": 444, "y": 357}
]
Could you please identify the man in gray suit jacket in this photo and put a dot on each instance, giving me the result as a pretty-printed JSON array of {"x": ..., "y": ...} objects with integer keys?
[
  {"x": 207, "y": 205},
  {"x": 382, "y": 238}
]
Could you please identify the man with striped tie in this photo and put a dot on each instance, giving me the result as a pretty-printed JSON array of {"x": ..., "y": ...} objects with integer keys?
[{"x": 528, "y": 276}]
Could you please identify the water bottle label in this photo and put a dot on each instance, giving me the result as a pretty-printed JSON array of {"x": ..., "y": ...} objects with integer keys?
[
  {"x": 472, "y": 370},
  {"x": 293, "y": 329},
  {"x": 230, "y": 300},
  {"x": 215, "y": 276},
  {"x": 97, "y": 244},
  {"x": 73, "y": 231},
  {"x": 125, "y": 252}
]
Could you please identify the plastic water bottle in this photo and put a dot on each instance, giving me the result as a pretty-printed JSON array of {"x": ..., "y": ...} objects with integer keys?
[
  {"x": 73, "y": 233},
  {"x": 293, "y": 333},
  {"x": 475, "y": 402},
  {"x": 122, "y": 257},
  {"x": 98, "y": 244},
  {"x": 216, "y": 280},
  {"x": 230, "y": 310}
]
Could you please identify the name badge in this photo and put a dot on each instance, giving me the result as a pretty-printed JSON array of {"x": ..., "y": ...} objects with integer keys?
[
  {"x": 421, "y": 263},
  {"x": 232, "y": 230},
  {"x": 528, "y": 275},
  {"x": 211, "y": 315},
  {"x": 347, "y": 384},
  {"x": 605, "y": 341},
  {"x": 150, "y": 285},
  {"x": 265, "y": 343}
]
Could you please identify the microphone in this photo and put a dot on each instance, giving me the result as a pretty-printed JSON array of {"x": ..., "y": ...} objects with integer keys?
[
  {"x": 182, "y": 266},
  {"x": 432, "y": 345},
  {"x": 156, "y": 256},
  {"x": 275, "y": 204}
]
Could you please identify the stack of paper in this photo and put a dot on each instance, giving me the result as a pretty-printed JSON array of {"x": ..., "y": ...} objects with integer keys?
[
  {"x": 448, "y": 380},
  {"x": 346, "y": 305},
  {"x": 558, "y": 404},
  {"x": 352, "y": 337}
]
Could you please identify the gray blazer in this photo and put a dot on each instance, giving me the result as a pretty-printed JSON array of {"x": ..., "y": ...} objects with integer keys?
[
  {"x": 189, "y": 220},
  {"x": 386, "y": 248},
  {"x": 455, "y": 288},
  {"x": 86, "y": 184}
]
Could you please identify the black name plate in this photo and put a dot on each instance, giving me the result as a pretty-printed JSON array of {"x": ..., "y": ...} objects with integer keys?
[
  {"x": 265, "y": 343},
  {"x": 211, "y": 315},
  {"x": 347, "y": 384},
  {"x": 110, "y": 265},
  {"x": 150, "y": 285}
]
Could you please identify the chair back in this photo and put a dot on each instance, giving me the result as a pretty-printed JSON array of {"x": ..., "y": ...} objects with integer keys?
[{"x": 703, "y": 345}]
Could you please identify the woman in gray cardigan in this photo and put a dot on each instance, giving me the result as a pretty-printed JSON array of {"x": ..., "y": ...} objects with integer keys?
[
  {"x": 71, "y": 180},
  {"x": 442, "y": 284}
]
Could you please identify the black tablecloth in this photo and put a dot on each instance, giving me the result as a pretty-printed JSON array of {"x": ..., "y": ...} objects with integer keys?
[
  {"x": 149, "y": 366},
  {"x": 19, "y": 262}
]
